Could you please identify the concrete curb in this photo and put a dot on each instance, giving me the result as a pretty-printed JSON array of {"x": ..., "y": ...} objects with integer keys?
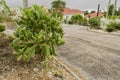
[
  {"x": 104, "y": 32},
  {"x": 71, "y": 72}
]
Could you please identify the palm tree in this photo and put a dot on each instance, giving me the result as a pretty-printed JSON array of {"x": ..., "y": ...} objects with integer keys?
[
  {"x": 25, "y": 3},
  {"x": 58, "y": 6}
]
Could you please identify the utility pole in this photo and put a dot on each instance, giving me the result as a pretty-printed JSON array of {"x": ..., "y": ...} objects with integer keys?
[
  {"x": 98, "y": 10},
  {"x": 108, "y": 8},
  {"x": 25, "y": 3},
  {"x": 114, "y": 8}
]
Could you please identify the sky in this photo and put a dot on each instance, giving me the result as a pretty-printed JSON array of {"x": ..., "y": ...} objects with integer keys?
[{"x": 77, "y": 4}]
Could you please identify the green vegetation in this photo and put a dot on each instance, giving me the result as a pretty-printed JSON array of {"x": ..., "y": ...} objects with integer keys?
[
  {"x": 95, "y": 23},
  {"x": 4, "y": 12},
  {"x": 113, "y": 17},
  {"x": 77, "y": 18},
  {"x": 4, "y": 8},
  {"x": 110, "y": 11},
  {"x": 85, "y": 22},
  {"x": 2, "y": 27},
  {"x": 116, "y": 12},
  {"x": 113, "y": 26},
  {"x": 70, "y": 22},
  {"x": 93, "y": 12},
  {"x": 5, "y": 19},
  {"x": 38, "y": 33},
  {"x": 58, "y": 7},
  {"x": 86, "y": 12}
]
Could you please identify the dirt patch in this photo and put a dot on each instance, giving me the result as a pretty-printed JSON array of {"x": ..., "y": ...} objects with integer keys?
[{"x": 10, "y": 69}]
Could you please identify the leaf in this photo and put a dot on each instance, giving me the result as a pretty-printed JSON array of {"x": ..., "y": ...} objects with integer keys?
[
  {"x": 46, "y": 50},
  {"x": 36, "y": 7},
  {"x": 26, "y": 57},
  {"x": 52, "y": 49},
  {"x": 31, "y": 51},
  {"x": 19, "y": 57},
  {"x": 22, "y": 12},
  {"x": 15, "y": 42},
  {"x": 39, "y": 36},
  {"x": 61, "y": 41}
]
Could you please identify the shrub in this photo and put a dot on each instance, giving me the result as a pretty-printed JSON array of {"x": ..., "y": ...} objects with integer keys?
[
  {"x": 70, "y": 22},
  {"x": 113, "y": 17},
  {"x": 95, "y": 22},
  {"x": 110, "y": 29},
  {"x": 77, "y": 18},
  {"x": 113, "y": 26},
  {"x": 85, "y": 22},
  {"x": 38, "y": 33},
  {"x": 65, "y": 21},
  {"x": 117, "y": 26},
  {"x": 5, "y": 9},
  {"x": 2, "y": 27}
]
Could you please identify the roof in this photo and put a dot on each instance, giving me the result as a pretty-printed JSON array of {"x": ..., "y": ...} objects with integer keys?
[
  {"x": 95, "y": 14},
  {"x": 72, "y": 11}
]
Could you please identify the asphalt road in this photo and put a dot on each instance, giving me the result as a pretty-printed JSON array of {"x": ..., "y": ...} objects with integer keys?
[{"x": 95, "y": 55}]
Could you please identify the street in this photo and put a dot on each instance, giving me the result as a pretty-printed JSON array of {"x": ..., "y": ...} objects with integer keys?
[{"x": 95, "y": 55}]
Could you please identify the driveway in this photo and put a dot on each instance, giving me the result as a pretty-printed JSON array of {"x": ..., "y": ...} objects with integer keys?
[{"x": 95, "y": 55}]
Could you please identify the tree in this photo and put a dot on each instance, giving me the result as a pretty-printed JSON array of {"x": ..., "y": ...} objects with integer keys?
[
  {"x": 86, "y": 12},
  {"x": 58, "y": 6},
  {"x": 114, "y": 8},
  {"x": 118, "y": 12},
  {"x": 25, "y": 3},
  {"x": 110, "y": 10},
  {"x": 92, "y": 11}
]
